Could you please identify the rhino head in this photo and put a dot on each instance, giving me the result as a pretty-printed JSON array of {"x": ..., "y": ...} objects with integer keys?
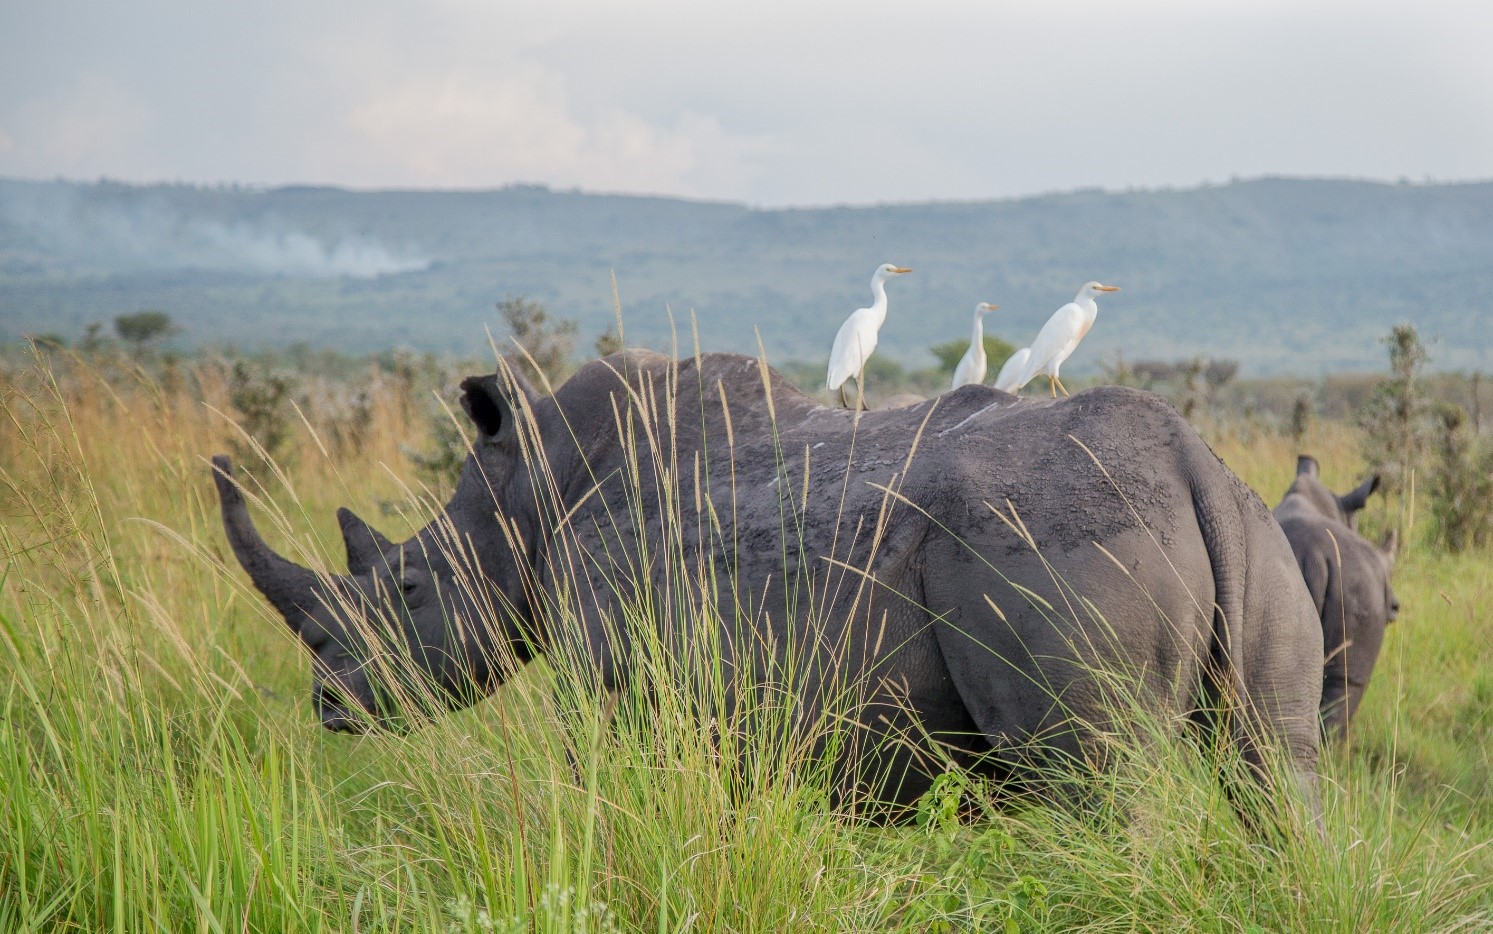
[
  {"x": 1343, "y": 508},
  {"x": 429, "y": 624}
]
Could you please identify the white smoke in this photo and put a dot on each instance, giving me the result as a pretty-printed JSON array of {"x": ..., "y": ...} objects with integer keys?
[
  {"x": 140, "y": 233},
  {"x": 293, "y": 253}
]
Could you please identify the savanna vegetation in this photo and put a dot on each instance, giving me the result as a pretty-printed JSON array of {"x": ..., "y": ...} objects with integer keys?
[{"x": 162, "y": 769}]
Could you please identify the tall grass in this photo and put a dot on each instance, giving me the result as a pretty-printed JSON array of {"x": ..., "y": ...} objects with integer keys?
[{"x": 162, "y": 769}]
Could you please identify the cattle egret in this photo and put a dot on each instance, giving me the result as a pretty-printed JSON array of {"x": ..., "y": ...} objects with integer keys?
[
  {"x": 857, "y": 337},
  {"x": 1009, "y": 378},
  {"x": 971, "y": 368},
  {"x": 1059, "y": 337}
]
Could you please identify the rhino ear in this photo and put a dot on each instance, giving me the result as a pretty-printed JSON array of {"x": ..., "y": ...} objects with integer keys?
[
  {"x": 1352, "y": 502},
  {"x": 365, "y": 546},
  {"x": 1307, "y": 465},
  {"x": 491, "y": 402}
]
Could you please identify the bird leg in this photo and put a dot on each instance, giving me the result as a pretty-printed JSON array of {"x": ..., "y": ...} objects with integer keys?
[
  {"x": 844, "y": 402},
  {"x": 1052, "y": 385},
  {"x": 1062, "y": 387}
]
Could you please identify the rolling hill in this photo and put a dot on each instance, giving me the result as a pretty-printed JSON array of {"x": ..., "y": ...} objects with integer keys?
[{"x": 1284, "y": 275}]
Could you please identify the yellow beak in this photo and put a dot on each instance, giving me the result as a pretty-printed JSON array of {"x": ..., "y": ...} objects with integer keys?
[
  {"x": 1107, "y": 288},
  {"x": 899, "y": 270}
]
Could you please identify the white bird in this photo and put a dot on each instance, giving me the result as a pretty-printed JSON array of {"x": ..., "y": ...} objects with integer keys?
[
  {"x": 856, "y": 339},
  {"x": 1059, "y": 337},
  {"x": 971, "y": 368},
  {"x": 1009, "y": 378}
]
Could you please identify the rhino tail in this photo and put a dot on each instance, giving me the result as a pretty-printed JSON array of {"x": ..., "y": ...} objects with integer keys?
[{"x": 1221, "y": 522}]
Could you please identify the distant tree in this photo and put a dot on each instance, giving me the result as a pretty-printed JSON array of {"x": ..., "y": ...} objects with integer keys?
[
  {"x": 1460, "y": 481},
  {"x": 1188, "y": 373},
  {"x": 547, "y": 341},
  {"x": 1396, "y": 420},
  {"x": 1477, "y": 402},
  {"x": 263, "y": 401},
  {"x": 92, "y": 340},
  {"x": 1149, "y": 373},
  {"x": 884, "y": 372},
  {"x": 949, "y": 353},
  {"x": 608, "y": 342},
  {"x": 1301, "y": 418},
  {"x": 1219, "y": 372},
  {"x": 142, "y": 327}
]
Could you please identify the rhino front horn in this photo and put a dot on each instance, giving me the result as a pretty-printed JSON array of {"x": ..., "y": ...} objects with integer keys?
[
  {"x": 365, "y": 545},
  {"x": 288, "y": 586}
]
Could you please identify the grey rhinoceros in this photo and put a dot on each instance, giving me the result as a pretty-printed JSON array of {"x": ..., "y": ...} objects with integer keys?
[
  {"x": 1349, "y": 580},
  {"x": 978, "y": 565}
]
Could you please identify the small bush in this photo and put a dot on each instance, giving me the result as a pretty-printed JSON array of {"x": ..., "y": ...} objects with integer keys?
[
  {"x": 1461, "y": 482},
  {"x": 142, "y": 327},
  {"x": 1396, "y": 423},
  {"x": 548, "y": 342},
  {"x": 262, "y": 400}
]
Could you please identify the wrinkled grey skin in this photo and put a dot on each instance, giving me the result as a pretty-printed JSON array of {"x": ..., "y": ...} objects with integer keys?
[
  {"x": 1348, "y": 578},
  {"x": 1199, "y": 592}
]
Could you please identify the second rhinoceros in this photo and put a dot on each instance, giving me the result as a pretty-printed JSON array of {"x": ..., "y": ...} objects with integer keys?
[
  {"x": 979, "y": 566},
  {"x": 1349, "y": 580}
]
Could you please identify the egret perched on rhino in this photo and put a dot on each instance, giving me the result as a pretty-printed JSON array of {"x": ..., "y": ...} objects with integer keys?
[
  {"x": 971, "y": 564},
  {"x": 1348, "y": 578},
  {"x": 1059, "y": 337},
  {"x": 971, "y": 368},
  {"x": 856, "y": 339}
]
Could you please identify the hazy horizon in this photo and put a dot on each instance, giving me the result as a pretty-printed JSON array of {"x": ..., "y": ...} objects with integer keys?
[
  {"x": 252, "y": 186},
  {"x": 774, "y": 106}
]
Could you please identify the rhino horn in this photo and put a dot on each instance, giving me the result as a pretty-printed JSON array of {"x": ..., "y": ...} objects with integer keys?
[
  {"x": 1352, "y": 502},
  {"x": 365, "y": 544},
  {"x": 288, "y": 586},
  {"x": 1389, "y": 548},
  {"x": 1306, "y": 464}
]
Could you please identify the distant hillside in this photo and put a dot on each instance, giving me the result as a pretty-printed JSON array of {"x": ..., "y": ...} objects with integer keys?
[{"x": 1284, "y": 275}]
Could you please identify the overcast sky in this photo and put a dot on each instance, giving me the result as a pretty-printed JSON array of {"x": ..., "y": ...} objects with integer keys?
[{"x": 770, "y": 102}]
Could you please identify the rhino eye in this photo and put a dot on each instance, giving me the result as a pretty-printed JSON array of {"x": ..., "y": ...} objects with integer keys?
[{"x": 408, "y": 586}]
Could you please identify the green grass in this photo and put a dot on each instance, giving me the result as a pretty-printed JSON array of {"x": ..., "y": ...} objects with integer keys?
[{"x": 162, "y": 769}]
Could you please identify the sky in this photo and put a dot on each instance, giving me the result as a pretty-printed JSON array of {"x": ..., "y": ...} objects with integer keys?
[{"x": 775, "y": 103}]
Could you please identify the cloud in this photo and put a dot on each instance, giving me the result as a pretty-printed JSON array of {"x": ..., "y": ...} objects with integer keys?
[
  {"x": 479, "y": 130},
  {"x": 79, "y": 127}
]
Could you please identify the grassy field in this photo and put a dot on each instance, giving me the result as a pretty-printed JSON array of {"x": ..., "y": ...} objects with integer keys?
[{"x": 162, "y": 769}]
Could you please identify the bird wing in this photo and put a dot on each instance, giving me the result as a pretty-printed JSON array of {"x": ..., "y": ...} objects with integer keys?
[
  {"x": 971, "y": 369},
  {"x": 1060, "y": 330},
  {"x": 852, "y": 347},
  {"x": 1012, "y": 369}
]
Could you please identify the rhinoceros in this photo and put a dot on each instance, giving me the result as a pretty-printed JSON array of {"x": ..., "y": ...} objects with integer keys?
[
  {"x": 980, "y": 566},
  {"x": 1349, "y": 580}
]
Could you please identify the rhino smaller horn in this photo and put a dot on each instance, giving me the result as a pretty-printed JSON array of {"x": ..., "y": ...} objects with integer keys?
[
  {"x": 365, "y": 545},
  {"x": 1390, "y": 546}
]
